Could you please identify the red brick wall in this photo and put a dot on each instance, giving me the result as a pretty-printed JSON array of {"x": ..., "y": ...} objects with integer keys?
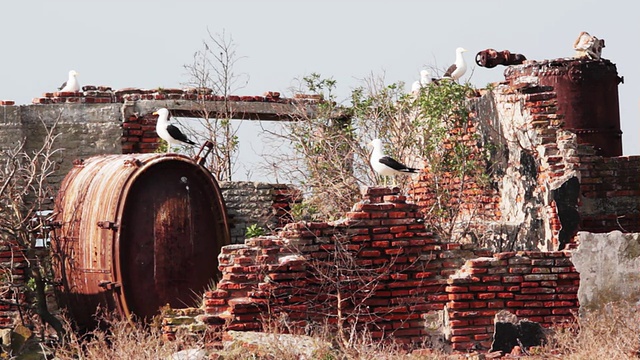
[
  {"x": 539, "y": 286},
  {"x": 467, "y": 198},
  {"x": 139, "y": 134}
]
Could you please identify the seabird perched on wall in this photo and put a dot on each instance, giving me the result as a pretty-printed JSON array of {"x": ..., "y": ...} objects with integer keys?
[
  {"x": 386, "y": 165},
  {"x": 425, "y": 80},
  {"x": 458, "y": 68},
  {"x": 170, "y": 133},
  {"x": 71, "y": 85}
]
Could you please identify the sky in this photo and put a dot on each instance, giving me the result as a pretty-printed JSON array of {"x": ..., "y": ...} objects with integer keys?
[{"x": 145, "y": 44}]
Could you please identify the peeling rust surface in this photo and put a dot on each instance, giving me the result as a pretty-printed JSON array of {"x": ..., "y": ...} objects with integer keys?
[
  {"x": 491, "y": 58},
  {"x": 137, "y": 232},
  {"x": 587, "y": 94}
]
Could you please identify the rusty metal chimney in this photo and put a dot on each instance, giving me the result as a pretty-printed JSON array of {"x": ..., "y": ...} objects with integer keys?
[{"x": 587, "y": 94}]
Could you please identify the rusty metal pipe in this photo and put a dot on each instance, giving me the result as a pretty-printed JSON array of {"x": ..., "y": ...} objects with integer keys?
[
  {"x": 201, "y": 158},
  {"x": 490, "y": 58}
]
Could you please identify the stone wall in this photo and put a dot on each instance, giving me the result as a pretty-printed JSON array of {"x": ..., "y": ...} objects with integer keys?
[
  {"x": 262, "y": 204},
  {"x": 80, "y": 130}
]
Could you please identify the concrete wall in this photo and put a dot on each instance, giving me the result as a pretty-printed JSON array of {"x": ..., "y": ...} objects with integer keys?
[
  {"x": 80, "y": 130},
  {"x": 609, "y": 267}
]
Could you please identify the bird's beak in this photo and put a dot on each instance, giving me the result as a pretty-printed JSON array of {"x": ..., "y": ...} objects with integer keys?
[
  {"x": 464, "y": 50},
  {"x": 155, "y": 113}
]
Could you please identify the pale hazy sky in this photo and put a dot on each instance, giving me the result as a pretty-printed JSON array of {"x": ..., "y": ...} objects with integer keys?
[{"x": 146, "y": 43}]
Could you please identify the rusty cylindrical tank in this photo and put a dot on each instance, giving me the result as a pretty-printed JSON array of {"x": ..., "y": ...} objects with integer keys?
[
  {"x": 136, "y": 232},
  {"x": 587, "y": 94}
]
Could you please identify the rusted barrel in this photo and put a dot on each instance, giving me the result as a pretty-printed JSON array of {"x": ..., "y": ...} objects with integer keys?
[
  {"x": 587, "y": 93},
  {"x": 136, "y": 232}
]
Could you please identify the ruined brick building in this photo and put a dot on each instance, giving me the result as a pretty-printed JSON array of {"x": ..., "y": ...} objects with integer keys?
[{"x": 557, "y": 126}]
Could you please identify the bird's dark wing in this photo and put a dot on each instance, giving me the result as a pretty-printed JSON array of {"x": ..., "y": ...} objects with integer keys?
[
  {"x": 394, "y": 164},
  {"x": 62, "y": 86},
  {"x": 450, "y": 70},
  {"x": 178, "y": 135}
]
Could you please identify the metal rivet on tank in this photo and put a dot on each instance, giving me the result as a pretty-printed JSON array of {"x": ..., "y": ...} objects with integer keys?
[
  {"x": 133, "y": 162},
  {"x": 107, "y": 225}
]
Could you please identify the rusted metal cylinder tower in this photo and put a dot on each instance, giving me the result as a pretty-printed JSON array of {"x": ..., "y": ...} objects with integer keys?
[
  {"x": 135, "y": 233},
  {"x": 587, "y": 94}
]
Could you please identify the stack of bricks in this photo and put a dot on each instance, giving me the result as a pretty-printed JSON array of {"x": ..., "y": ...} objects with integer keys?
[
  {"x": 194, "y": 94},
  {"x": 538, "y": 286},
  {"x": 397, "y": 272},
  {"x": 90, "y": 94},
  {"x": 249, "y": 272},
  {"x": 139, "y": 134},
  {"x": 609, "y": 184}
]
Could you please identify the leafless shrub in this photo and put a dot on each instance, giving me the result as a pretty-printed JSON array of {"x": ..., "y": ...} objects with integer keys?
[
  {"x": 24, "y": 193},
  {"x": 212, "y": 69}
]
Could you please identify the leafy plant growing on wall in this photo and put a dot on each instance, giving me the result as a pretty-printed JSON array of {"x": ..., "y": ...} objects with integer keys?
[
  {"x": 254, "y": 230},
  {"x": 455, "y": 155},
  {"x": 429, "y": 129}
]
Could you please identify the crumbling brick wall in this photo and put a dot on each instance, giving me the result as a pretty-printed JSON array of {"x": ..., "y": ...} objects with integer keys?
[
  {"x": 539, "y": 286},
  {"x": 403, "y": 284},
  {"x": 383, "y": 235},
  {"x": 609, "y": 193},
  {"x": 547, "y": 184},
  {"x": 515, "y": 211}
]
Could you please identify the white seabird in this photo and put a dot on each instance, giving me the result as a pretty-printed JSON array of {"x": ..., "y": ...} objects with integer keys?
[
  {"x": 71, "y": 85},
  {"x": 425, "y": 79},
  {"x": 386, "y": 165},
  {"x": 458, "y": 68},
  {"x": 170, "y": 133}
]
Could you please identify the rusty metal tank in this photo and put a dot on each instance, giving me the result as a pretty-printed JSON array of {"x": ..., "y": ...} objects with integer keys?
[
  {"x": 136, "y": 232},
  {"x": 587, "y": 94}
]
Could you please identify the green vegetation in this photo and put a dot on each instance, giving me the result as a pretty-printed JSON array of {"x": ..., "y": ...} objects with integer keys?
[
  {"x": 254, "y": 230},
  {"x": 433, "y": 129}
]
